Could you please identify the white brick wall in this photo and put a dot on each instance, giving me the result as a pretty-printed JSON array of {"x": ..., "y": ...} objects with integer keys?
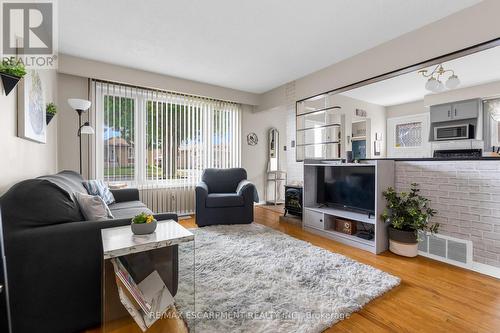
[
  {"x": 295, "y": 170},
  {"x": 467, "y": 197}
]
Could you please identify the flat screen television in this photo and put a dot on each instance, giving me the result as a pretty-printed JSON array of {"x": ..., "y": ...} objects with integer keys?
[{"x": 345, "y": 187}]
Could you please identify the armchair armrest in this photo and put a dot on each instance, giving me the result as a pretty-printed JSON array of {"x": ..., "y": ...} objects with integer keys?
[
  {"x": 202, "y": 188},
  {"x": 126, "y": 194},
  {"x": 246, "y": 186}
]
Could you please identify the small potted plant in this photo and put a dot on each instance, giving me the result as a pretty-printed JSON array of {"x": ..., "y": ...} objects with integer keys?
[
  {"x": 11, "y": 71},
  {"x": 407, "y": 213},
  {"x": 143, "y": 224},
  {"x": 50, "y": 112}
]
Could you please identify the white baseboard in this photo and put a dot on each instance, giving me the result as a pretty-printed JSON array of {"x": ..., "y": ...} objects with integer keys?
[
  {"x": 486, "y": 269},
  {"x": 473, "y": 266}
]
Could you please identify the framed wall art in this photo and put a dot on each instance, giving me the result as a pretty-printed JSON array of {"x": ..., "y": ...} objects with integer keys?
[{"x": 31, "y": 108}]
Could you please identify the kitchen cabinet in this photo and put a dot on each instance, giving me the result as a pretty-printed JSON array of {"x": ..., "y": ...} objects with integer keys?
[
  {"x": 441, "y": 113},
  {"x": 468, "y": 109}
]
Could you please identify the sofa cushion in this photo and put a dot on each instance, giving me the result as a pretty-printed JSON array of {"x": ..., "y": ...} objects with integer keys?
[
  {"x": 37, "y": 202},
  {"x": 93, "y": 207},
  {"x": 97, "y": 187},
  {"x": 68, "y": 181},
  {"x": 220, "y": 200},
  {"x": 223, "y": 180},
  {"x": 128, "y": 209}
]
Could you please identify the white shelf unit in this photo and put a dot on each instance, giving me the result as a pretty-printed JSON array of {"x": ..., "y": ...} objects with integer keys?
[{"x": 319, "y": 220}]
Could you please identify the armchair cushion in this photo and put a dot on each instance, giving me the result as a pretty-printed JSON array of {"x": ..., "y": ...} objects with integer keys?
[
  {"x": 223, "y": 180},
  {"x": 221, "y": 200}
]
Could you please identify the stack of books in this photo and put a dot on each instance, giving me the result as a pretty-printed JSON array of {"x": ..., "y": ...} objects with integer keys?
[{"x": 146, "y": 301}]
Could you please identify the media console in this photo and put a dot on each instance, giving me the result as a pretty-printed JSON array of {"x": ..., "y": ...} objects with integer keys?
[{"x": 320, "y": 218}]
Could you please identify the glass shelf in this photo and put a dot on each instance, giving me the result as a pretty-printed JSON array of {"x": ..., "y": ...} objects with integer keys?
[{"x": 318, "y": 131}]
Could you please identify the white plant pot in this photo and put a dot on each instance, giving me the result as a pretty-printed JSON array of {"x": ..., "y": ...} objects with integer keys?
[{"x": 403, "y": 249}]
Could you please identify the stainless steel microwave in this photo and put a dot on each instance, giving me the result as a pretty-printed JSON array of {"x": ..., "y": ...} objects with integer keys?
[{"x": 454, "y": 132}]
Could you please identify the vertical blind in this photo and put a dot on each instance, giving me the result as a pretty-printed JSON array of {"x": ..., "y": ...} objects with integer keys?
[{"x": 161, "y": 141}]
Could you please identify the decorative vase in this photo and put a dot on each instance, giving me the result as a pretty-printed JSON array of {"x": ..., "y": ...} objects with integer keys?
[
  {"x": 403, "y": 242},
  {"x": 9, "y": 82},
  {"x": 48, "y": 117},
  {"x": 144, "y": 228}
]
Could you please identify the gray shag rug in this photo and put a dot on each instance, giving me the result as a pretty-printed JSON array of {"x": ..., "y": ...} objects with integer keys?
[{"x": 251, "y": 278}]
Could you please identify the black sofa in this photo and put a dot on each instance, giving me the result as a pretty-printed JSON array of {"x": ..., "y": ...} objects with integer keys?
[
  {"x": 225, "y": 196},
  {"x": 54, "y": 258}
]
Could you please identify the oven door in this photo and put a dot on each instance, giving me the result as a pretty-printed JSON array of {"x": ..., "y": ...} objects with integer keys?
[{"x": 452, "y": 132}]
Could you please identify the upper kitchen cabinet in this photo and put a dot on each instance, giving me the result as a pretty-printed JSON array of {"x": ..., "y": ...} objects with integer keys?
[
  {"x": 468, "y": 109},
  {"x": 441, "y": 112}
]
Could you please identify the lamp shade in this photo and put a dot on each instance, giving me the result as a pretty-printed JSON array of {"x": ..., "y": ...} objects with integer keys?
[
  {"x": 79, "y": 104},
  {"x": 452, "y": 82},
  {"x": 431, "y": 84},
  {"x": 86, "y": 129},
  {"x": 439, "y": 86}
]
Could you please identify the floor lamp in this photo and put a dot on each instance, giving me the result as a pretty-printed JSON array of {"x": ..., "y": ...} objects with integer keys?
[{"x": 80, "y": 106}]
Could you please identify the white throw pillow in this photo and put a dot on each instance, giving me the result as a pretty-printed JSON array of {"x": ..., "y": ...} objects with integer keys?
[{"x": 93, "y": 207}]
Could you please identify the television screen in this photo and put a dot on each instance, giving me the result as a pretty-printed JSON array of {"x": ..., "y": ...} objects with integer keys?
[{"x": 348, "y": 187}]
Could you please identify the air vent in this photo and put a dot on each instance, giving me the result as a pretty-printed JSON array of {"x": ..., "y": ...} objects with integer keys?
[{"x": 451, "y": 250}]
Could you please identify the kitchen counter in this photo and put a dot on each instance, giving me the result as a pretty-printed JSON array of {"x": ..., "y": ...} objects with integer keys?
[{"x": 484, "y": 158}]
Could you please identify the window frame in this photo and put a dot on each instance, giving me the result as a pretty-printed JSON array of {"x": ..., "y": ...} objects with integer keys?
[
  {"x": 141, "y": 97},
  {"x": 424, "y": 150}
]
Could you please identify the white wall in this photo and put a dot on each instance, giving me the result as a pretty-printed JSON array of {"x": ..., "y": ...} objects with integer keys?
[
  {"x": 104, "y": 71},
  {"x": 23, "y": 159},
  {"x": 70, "y": 86},
  {"x": 406, "y": 109},
  {"x": 254, "y": 158},
  {"x": 463, "y": 29}
]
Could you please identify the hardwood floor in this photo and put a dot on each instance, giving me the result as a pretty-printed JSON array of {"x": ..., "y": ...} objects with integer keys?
[{"x": 432, "y": 297}]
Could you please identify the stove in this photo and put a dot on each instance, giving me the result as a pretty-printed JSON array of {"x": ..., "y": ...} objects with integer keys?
[{"x": 458, "y": 153}]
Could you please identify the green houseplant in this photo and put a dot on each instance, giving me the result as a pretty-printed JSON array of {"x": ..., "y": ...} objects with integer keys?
[
  {"x": 408, "y": 213},
  {"x": 11, "y": 71},
  {"x": 143, "y": 224},
  {"x": 50, "y": 111}
]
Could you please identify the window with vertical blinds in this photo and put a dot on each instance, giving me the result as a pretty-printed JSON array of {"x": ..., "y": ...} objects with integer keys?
[{"x": 157, "y": 137}]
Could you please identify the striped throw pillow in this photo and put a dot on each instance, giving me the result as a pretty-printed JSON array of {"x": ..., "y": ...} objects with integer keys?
[{"x": 97, "y": 187}]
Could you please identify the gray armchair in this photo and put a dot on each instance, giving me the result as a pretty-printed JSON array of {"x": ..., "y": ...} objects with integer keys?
[{"x": 225, "y": 196}]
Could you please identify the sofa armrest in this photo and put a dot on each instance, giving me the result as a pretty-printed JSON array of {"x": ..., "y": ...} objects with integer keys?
[
  {"x": 61, "y": 263},
  {"x": 126, "y": 194},
  {"x": 247, "y": 189}
]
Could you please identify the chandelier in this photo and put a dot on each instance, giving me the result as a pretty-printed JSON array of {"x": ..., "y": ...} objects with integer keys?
[{"x": 434, "y": 82}]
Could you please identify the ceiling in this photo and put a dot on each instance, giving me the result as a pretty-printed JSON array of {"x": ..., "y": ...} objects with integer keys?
[
  {"x": 252, "y": 46},
  {"x": 474, "y": 69}
]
